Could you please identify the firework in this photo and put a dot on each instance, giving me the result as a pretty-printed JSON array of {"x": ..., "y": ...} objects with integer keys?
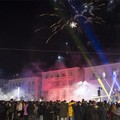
[{"x": 73, "y": 13}]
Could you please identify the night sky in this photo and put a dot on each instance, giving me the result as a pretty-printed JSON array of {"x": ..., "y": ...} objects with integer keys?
[{"x": 23, "y": 48}]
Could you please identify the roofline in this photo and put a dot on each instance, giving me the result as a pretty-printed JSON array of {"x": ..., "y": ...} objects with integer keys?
[
  {"x": 58, "y": 70},
  {"x": 101, "y": 65}
]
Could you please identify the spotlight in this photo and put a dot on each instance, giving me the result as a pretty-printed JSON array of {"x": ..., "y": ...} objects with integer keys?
[
  {"x": 59, "y": 57},
  {"x": 114, "y": 73},
  {"x": 103, "y": 75}
]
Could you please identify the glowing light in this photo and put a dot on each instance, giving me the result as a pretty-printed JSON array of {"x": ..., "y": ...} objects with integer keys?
[
  {"x": 56, "y": 27},
  {"x": 80, "y": 82},
  {"x": 84, "y": 90},
  {"x": 11, "y": 97},
  {"x": 103, "y": 74},
  {"x": 73, "y": 24},
  {"x": 113, "y": 83},
  {"x": 104, "y": 78},
  {"x": 85, "y": 6},
  {"x": 18, "y": 91},
  {"x": 85, "y": 82},
  {"x": 66, "y": 43},
  {"x": 111, "y": 1},
  {"x": 114, "y": 73},
  {"x": 115, "y": 77},
  {"x": 59, "y": 57},
  {"x": 76, "y": 13},
  {"x": 103, "y": 87}
]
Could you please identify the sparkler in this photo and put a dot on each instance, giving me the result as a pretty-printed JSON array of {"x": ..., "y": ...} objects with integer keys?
[{"x": 72, "y": 13}]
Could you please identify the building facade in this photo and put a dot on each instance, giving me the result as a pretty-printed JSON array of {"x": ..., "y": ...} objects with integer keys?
[
  {"x": 56, "y": 85},
  {"x": 69, "y": 84},
  {"x": 109, "y": 75},
  {"x": 76, "y": 83},
  {"x": 24, "y": 88}
]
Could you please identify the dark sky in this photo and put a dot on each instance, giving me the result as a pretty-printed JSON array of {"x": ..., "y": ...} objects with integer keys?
[
  {"x": 21, "y": 45},
  {"x": 17, "y": 25}
]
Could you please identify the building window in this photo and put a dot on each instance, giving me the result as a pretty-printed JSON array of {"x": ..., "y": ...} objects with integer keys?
[
  {"x": 62, "y": 74},
  {"x": 70, "y": 73},
  {"x": 28, "y": 90},
  {"x": 62, "y": 83},
  {"x": 118, "y": 75},
  {"x": 51, "y": 76},
  {"x": 23, "y": 83},
  {"x": 94, "y": 76},
  {"x": 19, "y": 84},
  {"x": 56, "y": 84},
  {"x": 47, "y": 76},
  {"x": 33, "y": 82},
  {"x": 71, "y": 82},
  {"x": 57, "y": 75},
  {"x": 29, "y": 83}
]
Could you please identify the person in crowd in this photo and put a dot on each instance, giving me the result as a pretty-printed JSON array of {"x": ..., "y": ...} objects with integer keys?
[
  {"x": 111, "y": 110},
  {"x": 52, "y": 112},
  {"x": 84, "y": 106},
  {"x": 41, "y": 110},
  {"x": 19, "y": 110},
  {"x": 92, "y": 112},
  {"x": 78, "y": 111},
  {"x": 103, "y": 111},
  {"x": 48, "y": 111},
  {"x": 25, "y": 113},
  {"x": 2, "y": 110},
  {"x": 30, "y": 110},
  {"x": 57, "y": 110},
  {"x": 116, "y": 114},
  {"x": 63, "y": 110},
  {"x": 35, "y": 104},
  {"x": 11, "y": 109},
  {"x": 70, "y": 110}
]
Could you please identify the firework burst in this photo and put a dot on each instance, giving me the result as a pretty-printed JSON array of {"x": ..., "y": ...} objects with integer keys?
[{"x": 72, "y": 13}]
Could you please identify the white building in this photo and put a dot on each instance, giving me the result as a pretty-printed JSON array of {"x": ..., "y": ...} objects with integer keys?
[
  {"x": 75, "y": 83},
  {"x": 24, "y": 88},
  {"x": 109, "y": 75},
  {"x": 70, "y": 83},
  {"x": 58, "y": 84}
]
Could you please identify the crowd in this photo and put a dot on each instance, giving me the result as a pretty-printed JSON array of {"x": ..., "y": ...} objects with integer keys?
[{"x": 59, "y": 110}]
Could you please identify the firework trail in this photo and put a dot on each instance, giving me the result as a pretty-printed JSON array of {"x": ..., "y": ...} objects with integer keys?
[{"x": 67, "y": 14}]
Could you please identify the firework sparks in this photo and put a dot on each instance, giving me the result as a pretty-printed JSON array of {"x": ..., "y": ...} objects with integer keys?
[
  {"x": 73, "y": 24},
  {"x": 68, "y": 13}
]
